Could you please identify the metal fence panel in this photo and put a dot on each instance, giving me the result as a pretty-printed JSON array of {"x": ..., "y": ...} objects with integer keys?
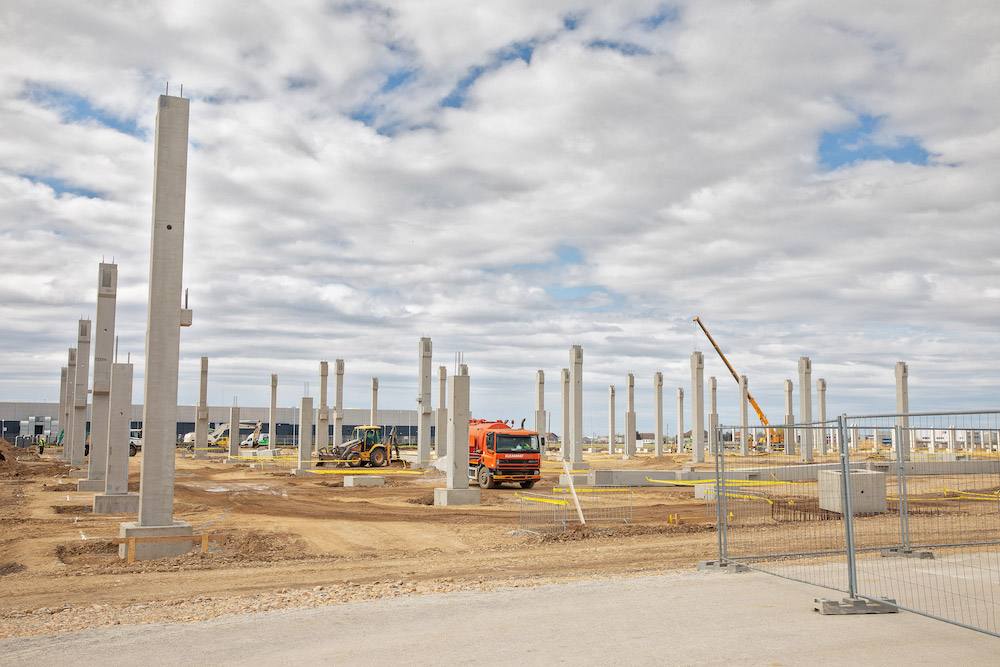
[
  {"x": 600, "y": 503},
  {"x": 542, "y": 513}
]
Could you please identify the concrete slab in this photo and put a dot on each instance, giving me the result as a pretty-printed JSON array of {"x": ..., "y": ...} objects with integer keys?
[
  {"x": 91, "y": 485},
  {"x": 149, "y": 550},
  {"x": 363, "y": 480},
  {"x": 116, "y": 503},
  {"x": 578, "y": 480},
  {"x": 445, "y": 497}
]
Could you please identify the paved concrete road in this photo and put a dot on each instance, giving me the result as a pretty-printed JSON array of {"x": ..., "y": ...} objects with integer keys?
[{"x": 683, "y": 619}]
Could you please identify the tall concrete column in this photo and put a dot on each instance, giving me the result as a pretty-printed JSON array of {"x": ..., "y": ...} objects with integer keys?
[
  {"x": 713, "y": 418},
  {"x": 104, "y": 344},
  {"x": 657, "y": 414},
  {"x": 680, "y": 420},
  {"x": 903, "y": 408},
  {"x": 165, "y": 317},
  {"x": 116, "y": 498},
  {"x": 272, "y": 415},
  {"x": 323, "y": 412},
  {"x": 80, "y": 386},
  {"x": 952, "y": 438},
  {"x": 457, "y": 491},
  {"x": 305, "y": 436},
  {"x": 338, "y": 403},
  {"x": 374, "y": 414},
  {"x": 576, "y": 407},
  {"x": 564, "y": 436},
  {"x": 697, "y": 407},
  {"x": 805, "y": 407},
  {"x": 611, "y": 419},
  {"x": 234, "y": 435},
  {"x": 63, "y": 374},
  {"x": 855, "y": 442},
  {"x": 424, "y": 414},
  {"x": 744, "y": 416},
  {"x": 540, "y": 408},
  {"x": 790, "y": 447},
  {"x": 630, "y": 415},
  {"x": 70, "y": 404},
  {"x": 441, "y": 415},
  {"x": 821, "y": 403},
  {"x": 201, "y": 416}
]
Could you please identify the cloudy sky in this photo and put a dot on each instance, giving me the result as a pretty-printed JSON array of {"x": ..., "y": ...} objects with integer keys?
[{"x": 510, "y": 179}]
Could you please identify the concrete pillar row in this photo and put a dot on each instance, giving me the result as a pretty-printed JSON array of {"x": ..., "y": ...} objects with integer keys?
[
  {"x": 457, "y": 490},
  {"x": 338, "y": 402},
  {"x": 680, "y": 420},
  {"x": 744, "y": 416},
  {"x": 564, "y": 436},
  {"x": 323, "y": 411},
  {"x": 201, "y": 416},
  {"x": 630, "y": 416},
  {"x": 805, "y": 407},
  {"x": 611, "y": 420},
  {"x": 104, "y": 345},
  {"x": 441, "y": 415},
  {"x": 424, "y": 412},
  {"x": 657, "y": 414},
  {"x": 63, "y": 374},
  {"x": 697, "y": 407},
  {"x": 80, "y": 386},
  {"x": 790, "y": 444},
  {"x": 70, "y": 404},
  {"x": 116, "y": 498}
]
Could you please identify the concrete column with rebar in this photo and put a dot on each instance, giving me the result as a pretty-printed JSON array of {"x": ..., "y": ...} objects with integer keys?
[
  {"x": 630, "y": 415},
  {"x": 657, "y": 414},
  {"x": 790, "y": 434},
  {"x": 457, "y": 491},
  {"x": 424, "y": 413},
  {"x": 80, "y": 386},
  {"x": 697, "y": 407},
  {"x": 234, "y": 435},
  {"x": 805, "y": 407},
  {"x": 305, "y": 436},
  {"x": 441, "y": 415}
]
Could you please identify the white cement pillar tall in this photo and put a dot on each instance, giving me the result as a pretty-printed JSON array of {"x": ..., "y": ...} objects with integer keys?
[
  {"x": 540, "y": 408},
  {"x": 424, "y": 414},
  {"x": 576, "y": 406},
  {"x": 805, "y": 407},
  {"x": 116, "y": 499},
  {"x": 272, "y": 414},
  {"x": 63, "y": 374},
  {"x": 903, "y": 408},
  {"x": 201, "y": 416},
  {"x": 680, "y": 419},
  {"x": 611, "y": 419},
  {"x": 564, "y": 436},
  {"x": 744, "y": 416},
  {"x": 630, "y": 415},
  {"x": 323, "y": 411},
  {"x": 713, "y": 418},
  {"x": 80, "y": 386},
  {"x": 790, "y": 445},
  {"x": 373, "y": 419},
  {"x": 104, "y": 345},
  {"x": 70, "y": 404},
  {"x": 165, "y": 317},
  {"x": 305, "y": 434},
  {"x": 441, "y": 415},
  {"x": 458, "y": 430},
  {"x": 697, "y": 407},
  {"x": 338, "y": 402},
  {"x": 952, "y": 438},
  {"x": 234, "y": 435},
  {"x": 657, "y": 414},
  {"x": 821, "y": 403},
  {"x": 855, "y": 441}
]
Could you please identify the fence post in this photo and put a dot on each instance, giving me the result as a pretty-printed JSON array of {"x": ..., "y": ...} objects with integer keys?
[
  {"x": 720, "y": 501},
  {"x": 718, "y": 495},
  {"x": 845, "y": 490},
  {"x": 904, "y": 512}
]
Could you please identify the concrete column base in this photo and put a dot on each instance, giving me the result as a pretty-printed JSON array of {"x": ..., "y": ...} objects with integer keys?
[
  {"x": 116, "y": 503},
  {"x": 363, "y": 480},
  {"x": 231, "y": 460},
  {"x": 302, "y": 471},
  {"x": 149, "y": 550},
  {"x": 579, "y": 465},
  {"x": 444, "y": 497},
  {"x": 78, "y": 473},
  {"x": 578, "y": 480},
  {"x": 94, "y": 485}
]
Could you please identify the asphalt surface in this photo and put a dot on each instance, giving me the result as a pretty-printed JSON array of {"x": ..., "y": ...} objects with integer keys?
[{"x": 683, "y": 619}]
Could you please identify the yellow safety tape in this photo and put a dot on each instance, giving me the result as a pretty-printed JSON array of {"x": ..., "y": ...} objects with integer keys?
[
  {"x": 728, "y": 482},
  {"x": 554, "y": 501},
  {"x": 387, "y": 471},
  {"x": 562, "y": 489}
]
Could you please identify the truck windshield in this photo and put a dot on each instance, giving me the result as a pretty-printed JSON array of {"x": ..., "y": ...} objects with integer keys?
[{"x": 517, "y": 443}]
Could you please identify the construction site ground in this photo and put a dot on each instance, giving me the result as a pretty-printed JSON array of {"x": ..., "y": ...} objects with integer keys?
[{"x": 286, "y": 541}]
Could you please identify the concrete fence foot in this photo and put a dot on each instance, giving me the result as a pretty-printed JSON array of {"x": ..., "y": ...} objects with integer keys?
[{"x": 853, "y": 606}]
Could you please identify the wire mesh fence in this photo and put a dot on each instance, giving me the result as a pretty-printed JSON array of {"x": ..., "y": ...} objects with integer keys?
[
  {"x": 546, "y": 513},
  {"x": 886, "y": 507}
]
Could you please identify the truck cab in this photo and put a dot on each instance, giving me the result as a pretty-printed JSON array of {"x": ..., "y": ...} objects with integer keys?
[{"x": 499, "y": 453}]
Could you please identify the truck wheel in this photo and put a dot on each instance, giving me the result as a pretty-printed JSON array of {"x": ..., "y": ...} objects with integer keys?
[
  {"x": 528, "y": 484},
  {"x": 132, "y": 451},
  {"x": 485, "y": 478},
  {"x": 377, "y": 458}
]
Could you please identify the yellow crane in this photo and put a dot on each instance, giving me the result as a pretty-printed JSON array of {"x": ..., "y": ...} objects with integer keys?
[{"x": 774, "y": 435}]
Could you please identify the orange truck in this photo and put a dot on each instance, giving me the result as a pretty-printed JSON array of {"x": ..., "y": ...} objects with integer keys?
[{"x": 500, "y": 453}]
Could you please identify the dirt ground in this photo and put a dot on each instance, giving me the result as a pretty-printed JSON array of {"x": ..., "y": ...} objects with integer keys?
[{"x": 280, "y": 532}]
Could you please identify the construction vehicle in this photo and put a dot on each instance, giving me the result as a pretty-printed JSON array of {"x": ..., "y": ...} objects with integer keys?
[
  {"x": 500, "y": 453},
  {"x": 219, "y": 436},
  {"x": 774, "y": 436},
  {"x": 366, "y": 447}
]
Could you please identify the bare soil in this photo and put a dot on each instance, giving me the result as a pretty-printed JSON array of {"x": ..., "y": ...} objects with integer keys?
[{"x": 279, "y": 532}]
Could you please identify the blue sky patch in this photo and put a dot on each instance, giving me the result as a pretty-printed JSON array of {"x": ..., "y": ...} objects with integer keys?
[
  {"x": 515, "y": 51},
  {"x": 625, "y": 48},
  {"x": 61, "y": 187},
  {"x": 397, "y": 79},
  {"x": 75, "y": 109},
  {"x": 569, "y": 255},
  {"x": 665, "y": 14},
  {"x": 572, "y": 21},
  {"x": 856, "y": 144}
]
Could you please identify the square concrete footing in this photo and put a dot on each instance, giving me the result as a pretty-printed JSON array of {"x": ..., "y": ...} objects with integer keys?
[
  {"x": 363, "y": 480},
  {"x": 116, "y": 503},
  {"x": 78, "y": 473},
  {"x": 457, "y": 496},
  {"x": 148, "y": 550},
  {"x": 93, "y": 485},
  {"x": 578, "y": 480},
  {"x": 230, "y": 460},
  {"x": 302, "y": 471}
]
